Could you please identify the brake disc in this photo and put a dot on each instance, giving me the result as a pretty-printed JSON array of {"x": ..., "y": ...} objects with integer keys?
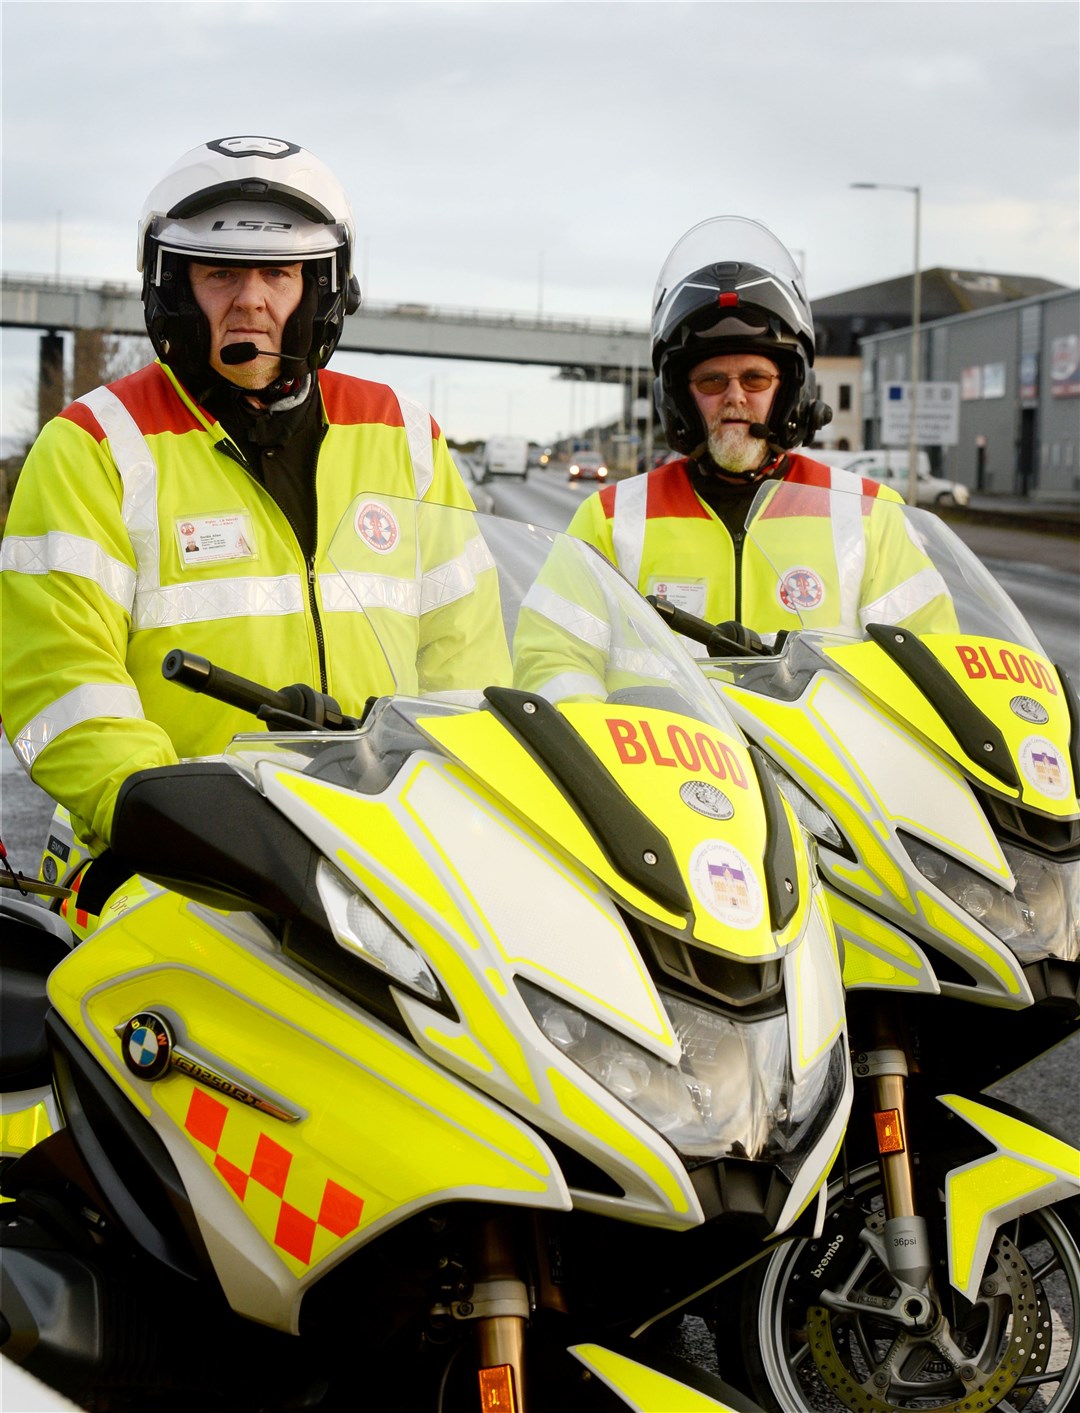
[{"x": 978, "y": 1388}]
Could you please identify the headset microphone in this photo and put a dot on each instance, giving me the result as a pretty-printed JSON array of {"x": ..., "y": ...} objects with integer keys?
[
  {"x": 756, "y": 429},
  {"x": 248, "y": 352}
]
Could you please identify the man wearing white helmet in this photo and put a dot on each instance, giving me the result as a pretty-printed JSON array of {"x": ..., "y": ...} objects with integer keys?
[
  {"x": 190, "y": 504},
  {"x": 733, "y": 351}
]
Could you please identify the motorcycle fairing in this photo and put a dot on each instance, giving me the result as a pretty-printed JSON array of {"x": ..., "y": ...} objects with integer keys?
[
  {"x": 646, "y": 1389},
  {"x": 990, "y": 675},
  {"x": 651, "y": 776},
  {"x": 877, "y": 955},
  {"x": 1028, "y": 1170},
  {"x": 278, "y": 1204}
]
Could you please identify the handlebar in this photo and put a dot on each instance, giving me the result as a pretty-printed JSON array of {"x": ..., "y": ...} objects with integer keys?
[
  {"x": 298, "y": 707},
  {"x": 728, "y": 639}
]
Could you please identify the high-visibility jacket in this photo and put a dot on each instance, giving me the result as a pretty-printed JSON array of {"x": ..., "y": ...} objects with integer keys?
[
  {"x": 135, "y": 528},
  {"x": 819, "y": 559}
]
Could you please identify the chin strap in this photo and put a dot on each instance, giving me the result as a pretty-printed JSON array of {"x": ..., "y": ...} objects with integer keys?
[{"x": 768, "y": 468}]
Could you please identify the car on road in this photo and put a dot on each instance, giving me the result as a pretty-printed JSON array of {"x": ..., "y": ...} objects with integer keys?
[
  {"x": 505, "y": 456},
  {"x": 891, "y": 468},
  {"x": 587, "y": 466}
]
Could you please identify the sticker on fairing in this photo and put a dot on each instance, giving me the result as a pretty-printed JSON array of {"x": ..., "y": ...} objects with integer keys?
[
  {"x": 726, "y": 885},
  {"x": 801, "y": 590},
  {"x": 377, "y": 527},
  {"x": 214, "y": 539},
  {"x": 1028, "y": 709},
  {"x": 1044, "y": 767},
  {"x": 687, "y": 594}
]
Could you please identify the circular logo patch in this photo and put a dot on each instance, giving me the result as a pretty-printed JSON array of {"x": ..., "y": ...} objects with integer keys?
[
  {"x": 1030, "y": 710},
  {"x": 801, "y": 590},
  {"x": 706, "y": 799},
  {"x": 1045, "y": 767},
  {"x": 725, "y": 884},
  {"x": 146, "y": 1045},
  {"x": 377, "y": 527}
]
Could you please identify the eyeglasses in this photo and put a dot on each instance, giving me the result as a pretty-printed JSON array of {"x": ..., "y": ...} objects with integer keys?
[{"x": 754, "y": 380}]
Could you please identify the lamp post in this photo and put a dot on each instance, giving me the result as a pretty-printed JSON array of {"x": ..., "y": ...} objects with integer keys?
[{"x": 916, "y": 302}]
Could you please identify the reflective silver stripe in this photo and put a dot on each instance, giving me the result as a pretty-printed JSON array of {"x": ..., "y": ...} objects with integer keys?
[
  {"x": 345, "y": 593},
  {"x": 456, "y": 578},
  {"x": 138, "y": 472},
  {"x": 905, "y": 599},
  {"x": 57, "y": 552},
  {"x": 628, "y": 526},
  {"x": 571, "y": 684},
  {"x": 417, "y": 422},
  {"x": 579, "y": 622},
  {"x": 83, "y": 703},
  {"x": 849, "y": 544},
  {"x": 211, "y": 599}
]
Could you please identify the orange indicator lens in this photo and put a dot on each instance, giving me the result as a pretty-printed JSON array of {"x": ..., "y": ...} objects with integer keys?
[
  {"x": 497, "y": 1390},
  {"x": 889, "y": 1137}
]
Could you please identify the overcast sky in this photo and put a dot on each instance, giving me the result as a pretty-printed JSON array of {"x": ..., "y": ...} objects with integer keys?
[{"x": 521, "y": 156}]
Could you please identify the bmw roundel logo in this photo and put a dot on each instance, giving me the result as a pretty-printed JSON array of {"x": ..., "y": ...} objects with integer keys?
[{"x": 147, "y": 1045}]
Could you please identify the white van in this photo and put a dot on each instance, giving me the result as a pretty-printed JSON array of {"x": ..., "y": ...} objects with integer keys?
[
  {"x": 505, "y": 456},
  {"x": 891, "y": 467}
]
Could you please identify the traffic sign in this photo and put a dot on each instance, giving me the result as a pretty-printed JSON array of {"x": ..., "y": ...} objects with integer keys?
[{"x": 937, "y": 414}]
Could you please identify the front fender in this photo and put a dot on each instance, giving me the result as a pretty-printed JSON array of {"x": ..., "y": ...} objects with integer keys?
[
  {"x": 1028, "y": 1169},
  {"x": 660, "y": 1384}
]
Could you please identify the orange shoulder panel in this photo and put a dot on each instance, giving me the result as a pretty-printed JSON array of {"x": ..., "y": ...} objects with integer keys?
[{"x": 350, "y": 400}]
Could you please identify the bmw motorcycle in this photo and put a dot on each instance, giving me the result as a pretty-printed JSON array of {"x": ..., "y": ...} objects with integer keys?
[
  {"x": 934, "y": 761},
  {"x": 433, "y": 1060}
]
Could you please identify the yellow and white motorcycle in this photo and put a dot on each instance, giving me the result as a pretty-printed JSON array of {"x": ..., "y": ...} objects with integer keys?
[
  {"x": 426, "y": 1062},
  {"x": 930, "y": 748}
]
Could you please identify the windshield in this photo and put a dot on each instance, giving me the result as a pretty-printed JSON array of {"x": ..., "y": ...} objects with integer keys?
[
  {"x": 835, "y": 561},
  {"x": 447, "y": 602}
]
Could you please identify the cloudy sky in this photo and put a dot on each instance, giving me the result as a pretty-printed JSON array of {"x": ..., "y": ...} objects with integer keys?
[{"x": 523, "y": 156}]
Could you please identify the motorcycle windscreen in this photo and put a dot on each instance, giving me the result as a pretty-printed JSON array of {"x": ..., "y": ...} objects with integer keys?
[{"x": 456, "y": 602}]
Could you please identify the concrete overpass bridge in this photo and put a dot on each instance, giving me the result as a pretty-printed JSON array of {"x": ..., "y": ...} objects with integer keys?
[{"x": 585, "y": 349}]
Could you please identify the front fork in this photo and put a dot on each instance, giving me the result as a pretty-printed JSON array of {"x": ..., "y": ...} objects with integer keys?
[
  {"x": 498, "y": 1303},
  {"x": 902, "y": 1244}
]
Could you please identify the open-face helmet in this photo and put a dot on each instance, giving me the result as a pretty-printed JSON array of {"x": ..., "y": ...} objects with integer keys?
[
  {"x": 729, "y": 286},
  {"x": 247, "y": 201}
]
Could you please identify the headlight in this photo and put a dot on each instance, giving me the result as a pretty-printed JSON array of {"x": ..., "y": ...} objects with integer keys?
[
  {"x": 1040, "y": 918},
  {"x": 362, "y": 930},
  {"x": 732, "y": 1095}
]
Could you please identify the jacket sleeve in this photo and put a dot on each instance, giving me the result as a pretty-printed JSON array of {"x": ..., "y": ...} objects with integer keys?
[
  {"x": 901, "y": 585},
  {"x": 70, "y": 707}
]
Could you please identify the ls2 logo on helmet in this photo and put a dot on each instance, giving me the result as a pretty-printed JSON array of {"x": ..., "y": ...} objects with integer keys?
[{"x": 253, "y": 147}]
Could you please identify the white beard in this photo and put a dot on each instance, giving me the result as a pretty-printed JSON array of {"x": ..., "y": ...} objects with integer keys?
[{"x": 733, "y": 448}]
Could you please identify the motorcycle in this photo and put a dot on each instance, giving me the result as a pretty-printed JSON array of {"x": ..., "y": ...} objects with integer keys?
[
  {"x": 933, "y": 759},
  {"x": 434, "y": 1059}
]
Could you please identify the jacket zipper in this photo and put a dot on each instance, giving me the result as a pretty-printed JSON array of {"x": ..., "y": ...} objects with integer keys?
[
  {"x": 737, "y": 543},
  {"x": 229, "y": 449}
]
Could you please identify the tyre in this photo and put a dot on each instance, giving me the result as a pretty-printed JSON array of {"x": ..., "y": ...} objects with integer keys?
[
  {"x": 945, "y": 500},
  {"x": 1016, "y": 1345}
]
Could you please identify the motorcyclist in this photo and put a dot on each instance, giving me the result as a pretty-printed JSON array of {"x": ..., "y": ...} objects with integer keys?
[
  {"x": 733, "y": 352},
  {"x": 190, "y": 504}
]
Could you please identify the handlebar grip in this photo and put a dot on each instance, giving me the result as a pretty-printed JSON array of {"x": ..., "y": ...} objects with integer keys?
[
  {"x": 198, "y": 674},
  {"x": 688, "y": 624}
]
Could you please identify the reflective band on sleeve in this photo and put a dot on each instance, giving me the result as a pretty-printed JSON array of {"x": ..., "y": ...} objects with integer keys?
[
  {"x": 81, "y": 704},
  {"x": 456, "y": 578},
  {"x": 211, "y": 599},
  {"x": 138, "y": 472},
  {"x": 346, "y": 593},
  {"x": 905, "y": 599},
  {"x": 60, "y": 553},
  {"x": 417, "y": 422},
  {"x": 572, "y": 617},
  {"x": 628, "y": 526},
  {"x": 571, "y": 684},
  {"x": 849, "y": 546}
]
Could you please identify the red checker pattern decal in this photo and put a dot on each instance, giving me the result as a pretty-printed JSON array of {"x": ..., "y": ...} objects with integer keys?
[{"x": 339, "y": 1211}]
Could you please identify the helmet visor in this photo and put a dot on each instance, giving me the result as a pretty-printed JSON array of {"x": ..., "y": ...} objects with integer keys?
[{"x": 245, "y": 230}]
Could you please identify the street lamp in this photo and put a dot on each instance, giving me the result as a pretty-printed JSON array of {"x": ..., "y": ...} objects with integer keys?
[{"x": 916, "y": 301}]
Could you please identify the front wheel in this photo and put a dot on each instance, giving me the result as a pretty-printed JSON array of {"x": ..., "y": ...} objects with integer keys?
[{"x": 1015, "y": 1346}]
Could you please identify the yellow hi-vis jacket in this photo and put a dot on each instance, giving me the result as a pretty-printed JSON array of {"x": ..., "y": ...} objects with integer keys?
[
  {"x": 134, "y": 530},
  {"x": 832, "y": 562},
  {"x": 814, "y": 560}
]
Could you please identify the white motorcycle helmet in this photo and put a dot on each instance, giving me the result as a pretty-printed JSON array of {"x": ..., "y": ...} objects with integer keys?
[
  {"x": 252, "y": 201},
  {"x": 729, "y": 286}
]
